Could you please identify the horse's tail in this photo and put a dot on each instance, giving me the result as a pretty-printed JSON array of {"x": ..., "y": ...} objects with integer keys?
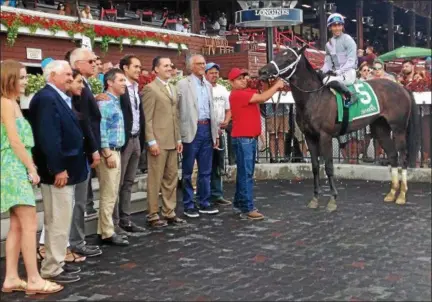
[{"x": 413, "y": 132}]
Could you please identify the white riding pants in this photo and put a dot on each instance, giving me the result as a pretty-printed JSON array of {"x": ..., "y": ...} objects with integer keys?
[{"x": 347, "y": 78}]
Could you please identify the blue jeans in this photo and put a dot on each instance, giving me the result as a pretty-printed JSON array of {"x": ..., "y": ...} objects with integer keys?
[
  {"x": 201, "y": 149},
  {"x": 245, "y": 150},
  {"x": 216, "y": 184}
]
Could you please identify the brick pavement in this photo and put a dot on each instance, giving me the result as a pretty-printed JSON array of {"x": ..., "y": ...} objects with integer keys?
[{"x": 367, "y": 250}]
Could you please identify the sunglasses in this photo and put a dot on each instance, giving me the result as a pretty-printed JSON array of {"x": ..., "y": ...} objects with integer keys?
[{"x": 89, "y": 61}]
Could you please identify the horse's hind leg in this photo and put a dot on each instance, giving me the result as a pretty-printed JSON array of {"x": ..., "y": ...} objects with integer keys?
[
  {"x": 381, "y": 131},
  {"x": 326, "y": 147},
  {"x": 401, "y": 147},
  {"x": 313, "y": 145}
]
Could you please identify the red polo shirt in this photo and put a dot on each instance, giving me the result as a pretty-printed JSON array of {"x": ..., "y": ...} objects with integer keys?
[{"x": 246, "y": 117}]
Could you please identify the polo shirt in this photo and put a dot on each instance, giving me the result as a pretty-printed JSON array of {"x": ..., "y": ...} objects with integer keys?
[{"x": 246, "y": 117}]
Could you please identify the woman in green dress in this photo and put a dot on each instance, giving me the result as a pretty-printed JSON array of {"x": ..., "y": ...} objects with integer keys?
[{"x": 18, "y": 174}]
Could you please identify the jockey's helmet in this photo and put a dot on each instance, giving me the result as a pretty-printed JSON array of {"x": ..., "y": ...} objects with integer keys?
[{"x": 335, "y": 19}]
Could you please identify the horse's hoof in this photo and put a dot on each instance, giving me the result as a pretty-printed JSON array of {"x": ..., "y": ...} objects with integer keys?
[
  {"x": 401, "y": 200},
  {"x": 331, "y": 205},
  {"x": 313, "y": 204},
  {"x": 390, "y": 197}
]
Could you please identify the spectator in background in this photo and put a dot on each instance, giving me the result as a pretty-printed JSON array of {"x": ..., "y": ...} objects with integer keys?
[
  {"x": 86, "y": 13},
  {"x": 144, "y": 72},
  {"x": 107, "y": 66},
  {"x": 174, "y": 71},
  {"x": 360, "y": 56},
  {"x": 61, "y": 9},
  {"x": 216, "y": 26},
  {"x": 18, "y": 174},
  {"x": 370, "y": 55},
  {"x": 179, "y": 25},
  {"x": 99, "y": 70},
  {"x": 364, "y": 72},
  {"x": 378, "y": 71},
  {"x": 54, "y": 124},
  {"x": 223, "y": 21},
  {"x": 186, "y": 25},
  {"x": 11, "y": 3},
  {"x": 408, "y": 72}
]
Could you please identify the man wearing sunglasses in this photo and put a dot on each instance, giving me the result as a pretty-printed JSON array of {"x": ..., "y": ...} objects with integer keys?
[{"x": 340, "y": 61}]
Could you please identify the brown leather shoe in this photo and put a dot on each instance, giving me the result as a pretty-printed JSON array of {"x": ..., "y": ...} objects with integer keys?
[
  {"x": 175, "y": 220},
  {"x": 157, "y": 223}
]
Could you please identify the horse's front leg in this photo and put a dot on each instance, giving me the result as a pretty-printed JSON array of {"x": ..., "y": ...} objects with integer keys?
[
  {"x": 313, "y": 145},
  {"x": 326, "y": 147}
]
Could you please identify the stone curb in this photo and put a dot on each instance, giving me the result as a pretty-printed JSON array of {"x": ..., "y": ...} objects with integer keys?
[{"x": 342, "y": 171}]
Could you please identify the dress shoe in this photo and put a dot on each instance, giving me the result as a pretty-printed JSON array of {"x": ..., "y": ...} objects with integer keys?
[
  {"x": 71, "y": 269},
  {"x": 86, "y": 251},
  {"x": 132, "y": 228},
  {"x": 119, "y": 231},
  {"x": 116, "y": 239},
  {"x": 64, "y": 278}
]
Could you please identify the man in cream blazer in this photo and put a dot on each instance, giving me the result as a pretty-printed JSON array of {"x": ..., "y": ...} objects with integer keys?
[
  {"x": 162, "y": 135},
  {"x": 199, "y": 135}
]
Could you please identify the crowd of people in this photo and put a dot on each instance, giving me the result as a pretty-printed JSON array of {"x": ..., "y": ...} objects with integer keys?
[{"x": 69, "y": 131}]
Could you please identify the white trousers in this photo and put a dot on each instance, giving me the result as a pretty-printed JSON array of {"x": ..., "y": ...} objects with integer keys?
[{"x": 347, "y": 78}]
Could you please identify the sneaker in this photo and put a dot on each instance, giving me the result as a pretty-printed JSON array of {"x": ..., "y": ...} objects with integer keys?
[
  {"x": 252, "y": 215},
  {"x": 192, "y": 213},
  {"x": 222, "y": 202},
  {"x": 209, "y": 210}
]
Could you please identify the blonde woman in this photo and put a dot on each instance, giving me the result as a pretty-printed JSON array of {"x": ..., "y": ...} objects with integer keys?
[{"x": 18, "y": 174}]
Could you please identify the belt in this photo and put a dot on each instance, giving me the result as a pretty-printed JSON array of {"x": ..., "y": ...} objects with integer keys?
[
  {"x": 135, "y": 135},
  {"x": 115, "y": 148},
  {"x": 203, "y": 122}
]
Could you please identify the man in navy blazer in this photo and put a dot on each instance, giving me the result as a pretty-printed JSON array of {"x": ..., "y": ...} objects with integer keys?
[{"x": 60, "y": 158}]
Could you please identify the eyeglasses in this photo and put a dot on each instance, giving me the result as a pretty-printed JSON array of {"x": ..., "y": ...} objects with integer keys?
[
  {"x": 89, "y": 61},
  {"x": 377, "y": 68}
]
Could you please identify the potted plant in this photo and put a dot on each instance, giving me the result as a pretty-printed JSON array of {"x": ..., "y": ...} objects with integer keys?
[
  {"x": 35, "y": 83},
  {"x": 95, "y": 85}
]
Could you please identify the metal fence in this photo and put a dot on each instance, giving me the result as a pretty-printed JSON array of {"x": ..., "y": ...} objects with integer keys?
[{"x": 282, "y": 141}]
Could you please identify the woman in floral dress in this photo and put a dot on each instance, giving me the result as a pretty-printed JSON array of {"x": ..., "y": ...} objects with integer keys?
[{"x": 18, "y": 174}]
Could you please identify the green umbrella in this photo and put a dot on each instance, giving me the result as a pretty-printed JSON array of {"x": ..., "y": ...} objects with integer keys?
[{"x": 406, "y": 52}]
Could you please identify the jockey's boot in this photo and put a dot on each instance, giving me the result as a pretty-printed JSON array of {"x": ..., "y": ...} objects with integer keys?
[{"x": 350, "y": 98}]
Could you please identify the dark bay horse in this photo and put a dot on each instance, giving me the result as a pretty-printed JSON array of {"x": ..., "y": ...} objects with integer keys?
[{"x": 316, "y": 115}]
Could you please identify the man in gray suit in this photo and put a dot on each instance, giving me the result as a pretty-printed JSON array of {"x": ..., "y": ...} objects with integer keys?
[{"x": 199, "y": 135}]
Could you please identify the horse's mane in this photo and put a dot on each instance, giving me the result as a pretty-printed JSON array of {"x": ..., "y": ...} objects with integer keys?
[{"x": 309, "y": 67}]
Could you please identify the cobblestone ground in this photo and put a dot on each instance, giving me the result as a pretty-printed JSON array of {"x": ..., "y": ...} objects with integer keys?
[{"x": 365, "y": 251}]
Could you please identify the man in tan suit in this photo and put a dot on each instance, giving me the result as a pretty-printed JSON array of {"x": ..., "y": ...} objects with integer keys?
[{"x": 162, "y": 135}]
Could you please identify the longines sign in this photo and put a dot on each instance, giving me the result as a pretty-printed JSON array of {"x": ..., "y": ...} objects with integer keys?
[
  {"x": 269, "y": 17},
  {"x": 272, "y": 12}
]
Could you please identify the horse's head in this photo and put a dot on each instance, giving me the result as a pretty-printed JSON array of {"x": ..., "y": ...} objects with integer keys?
[{"x": 283, "y": 65}]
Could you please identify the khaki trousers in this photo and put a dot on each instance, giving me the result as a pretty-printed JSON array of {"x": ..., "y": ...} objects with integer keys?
[
  {"x": 109, "y": 183},
  {"x": 162, "y": 177},
  {"x": 58, "y": 210}
]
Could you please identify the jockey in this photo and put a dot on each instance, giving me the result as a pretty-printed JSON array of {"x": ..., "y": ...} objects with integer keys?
[{"x": 340, "y": 61}]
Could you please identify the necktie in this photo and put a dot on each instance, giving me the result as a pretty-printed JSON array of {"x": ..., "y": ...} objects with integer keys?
[
  {"x": 135, "y": 100},
  {"x": 168, "y": 89}
]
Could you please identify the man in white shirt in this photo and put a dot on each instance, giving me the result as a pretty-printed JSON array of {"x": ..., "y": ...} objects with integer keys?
[
  {"x": 223, "y": 21},
  {"x": 223, "y": 116}
]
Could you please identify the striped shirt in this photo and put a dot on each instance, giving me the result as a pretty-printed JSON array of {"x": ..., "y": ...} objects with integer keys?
[{"x": 112, "y": 123}]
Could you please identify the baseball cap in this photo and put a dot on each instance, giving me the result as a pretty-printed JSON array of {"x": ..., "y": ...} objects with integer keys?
[
  {"x": 211, "y": 65},
  {"x": 45, "y": 62},
  {"x": 235, "y": 73}
]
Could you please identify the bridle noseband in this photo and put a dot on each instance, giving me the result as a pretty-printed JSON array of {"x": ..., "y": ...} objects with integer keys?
[{"x": 280, "y": 72}]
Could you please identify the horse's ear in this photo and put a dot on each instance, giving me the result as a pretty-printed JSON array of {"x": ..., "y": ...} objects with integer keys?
[{"x": 302, "y": 49}]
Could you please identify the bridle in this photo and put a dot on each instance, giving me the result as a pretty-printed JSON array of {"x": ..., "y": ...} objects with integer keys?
[{"x": 280, "y": 72}]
